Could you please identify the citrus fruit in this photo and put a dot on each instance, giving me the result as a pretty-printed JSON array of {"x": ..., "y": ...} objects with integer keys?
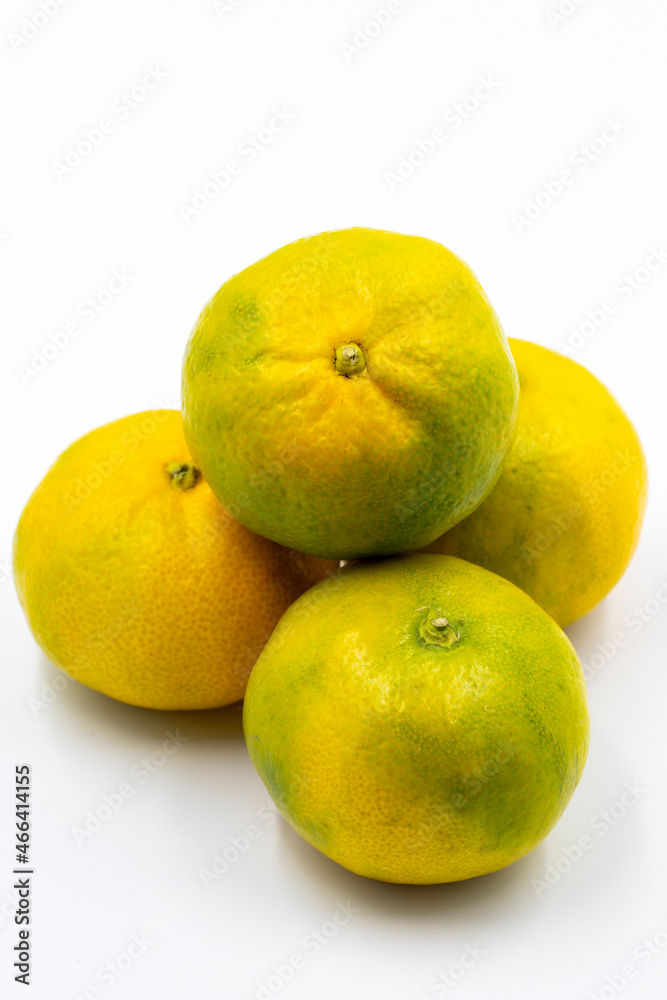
[
  {"x": 350, "y": 394},
  {"x": 135, "y": 581},
  {"x": 565, "y": 517},
  {"x": 418, "y": 719}
]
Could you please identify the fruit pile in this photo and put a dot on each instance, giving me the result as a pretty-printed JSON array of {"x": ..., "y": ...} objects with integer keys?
[{"x": 418, "y": 715}]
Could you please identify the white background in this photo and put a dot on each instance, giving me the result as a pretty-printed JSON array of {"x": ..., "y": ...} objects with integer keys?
[{"x": 554, "y": 86}]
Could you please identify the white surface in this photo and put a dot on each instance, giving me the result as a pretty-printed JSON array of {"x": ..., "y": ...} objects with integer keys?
[{"x": 119, "y": 209}]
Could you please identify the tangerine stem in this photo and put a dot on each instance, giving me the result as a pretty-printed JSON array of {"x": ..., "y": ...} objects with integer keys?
[
  {"x": 435, "y": 630},
  {"x": 183, "y": 475},
  {"x": 350, "y": 361}
]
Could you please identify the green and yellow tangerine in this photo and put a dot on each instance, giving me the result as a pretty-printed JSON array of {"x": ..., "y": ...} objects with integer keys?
[{"x": 406, "y": 758}]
